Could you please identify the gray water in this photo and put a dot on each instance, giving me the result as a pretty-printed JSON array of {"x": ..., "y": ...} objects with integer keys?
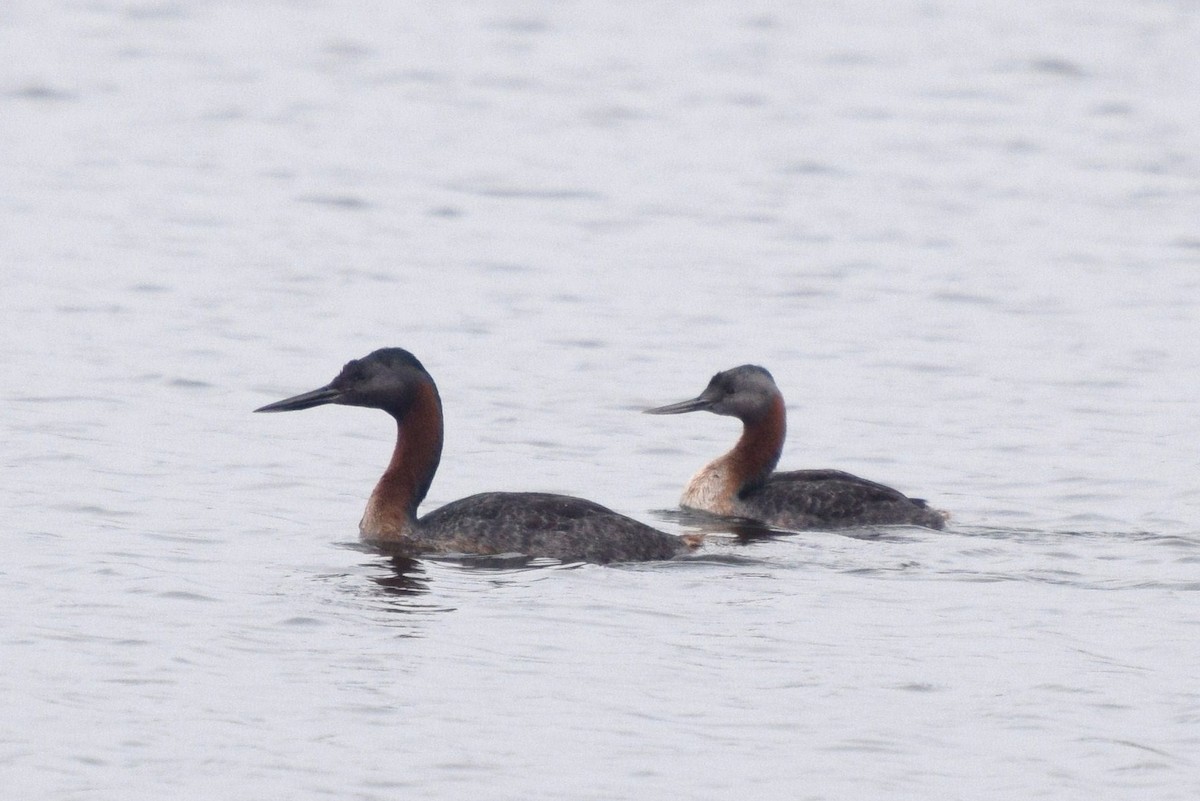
[{"x": 965, "y": 238}]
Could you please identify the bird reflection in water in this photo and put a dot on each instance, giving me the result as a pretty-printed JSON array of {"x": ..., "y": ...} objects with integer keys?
[{"x": 404, "y": 576}]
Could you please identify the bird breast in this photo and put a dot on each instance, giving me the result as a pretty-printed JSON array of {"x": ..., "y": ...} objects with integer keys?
[{"x": 712, "y": 489}]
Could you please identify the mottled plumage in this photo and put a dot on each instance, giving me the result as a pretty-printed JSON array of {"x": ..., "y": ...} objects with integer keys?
[
  {"x": 801, "y": 499},
  {"x": 537, "y": 523},
  {"x": 741, "y": 483},
  {"x": 534, "y": 524}
]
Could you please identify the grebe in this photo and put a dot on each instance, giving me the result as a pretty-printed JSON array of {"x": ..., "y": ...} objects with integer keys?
[
  {"x": 531, "y": 523},
  {"x": 741, "y": 483}
]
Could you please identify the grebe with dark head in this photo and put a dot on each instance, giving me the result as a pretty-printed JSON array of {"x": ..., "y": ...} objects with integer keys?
[
  {"x": 741, "y": 484},
  {"x": 531, "y": 523}
]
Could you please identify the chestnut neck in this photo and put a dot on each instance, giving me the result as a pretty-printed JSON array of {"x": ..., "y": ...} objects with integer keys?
[
  {"x": 757, "y": 451},
  {"x": 392, "y": 508}
]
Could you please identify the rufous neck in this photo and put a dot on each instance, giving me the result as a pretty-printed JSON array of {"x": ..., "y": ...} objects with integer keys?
[
  {"x": 757, "y": 452},
  {"x": 392, "y": 509}
]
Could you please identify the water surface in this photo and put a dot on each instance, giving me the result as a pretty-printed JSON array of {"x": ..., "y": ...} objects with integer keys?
[{"x": 963, "y": 241}]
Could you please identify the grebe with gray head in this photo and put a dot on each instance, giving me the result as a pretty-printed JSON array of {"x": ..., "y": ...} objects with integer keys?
[
  {"x": 741, "y": 484},
  {"x": 531, "y": 523}
]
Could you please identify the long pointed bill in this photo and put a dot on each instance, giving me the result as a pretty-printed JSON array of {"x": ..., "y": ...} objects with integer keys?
[
  {"x": 306, "y": 400},
  {"x": 694, "y": 405}
]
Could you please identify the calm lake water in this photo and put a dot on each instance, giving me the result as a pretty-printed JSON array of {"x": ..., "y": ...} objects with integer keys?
[{"x": 965, "y": 240}]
